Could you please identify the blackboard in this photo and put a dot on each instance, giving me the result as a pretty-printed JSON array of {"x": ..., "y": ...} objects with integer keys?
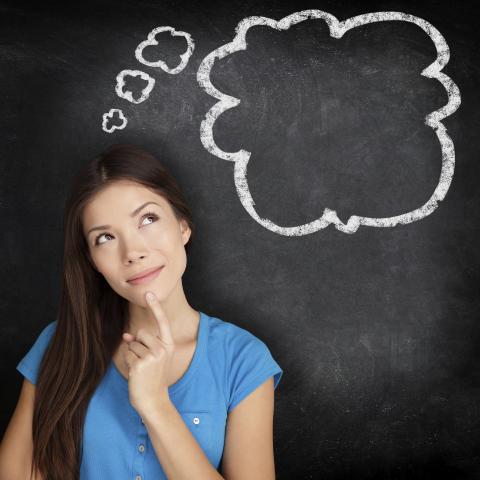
[{"x": 376, "y": 323}]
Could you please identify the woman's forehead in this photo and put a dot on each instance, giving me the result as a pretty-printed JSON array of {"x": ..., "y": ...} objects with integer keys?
[{"x": 122, "y": 197}]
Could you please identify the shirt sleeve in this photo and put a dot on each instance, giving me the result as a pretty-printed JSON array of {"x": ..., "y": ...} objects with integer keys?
[
  {"x": 30, "y": 363},
  {"x": 251, "y": 364}
]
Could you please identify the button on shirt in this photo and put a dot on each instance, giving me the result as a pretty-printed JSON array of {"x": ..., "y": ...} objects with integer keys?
[{"x": 228, "y": 364}]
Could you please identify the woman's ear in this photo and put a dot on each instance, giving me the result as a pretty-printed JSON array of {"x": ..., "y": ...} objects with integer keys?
[{"x": 185, "y": 231}]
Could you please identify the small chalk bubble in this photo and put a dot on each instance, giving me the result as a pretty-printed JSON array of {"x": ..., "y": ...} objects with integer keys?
[{"x": 112, "y": 115}]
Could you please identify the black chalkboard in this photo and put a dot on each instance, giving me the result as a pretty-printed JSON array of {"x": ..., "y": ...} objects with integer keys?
[{"x": 375, "y": 323}]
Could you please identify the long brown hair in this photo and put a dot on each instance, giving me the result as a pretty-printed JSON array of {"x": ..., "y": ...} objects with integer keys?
[{"x": 91, "y": 316}]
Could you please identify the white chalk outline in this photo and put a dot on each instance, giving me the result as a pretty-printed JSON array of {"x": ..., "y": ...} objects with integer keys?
[
  {"x": 337, "y": 30},
  {"x": 109, "y": 115},
  {"x": 185, "y": 56},
  {"x": 127, "y": 95}
]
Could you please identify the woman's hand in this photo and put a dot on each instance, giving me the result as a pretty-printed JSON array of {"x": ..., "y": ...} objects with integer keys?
[{"x": 149, "y": 359}]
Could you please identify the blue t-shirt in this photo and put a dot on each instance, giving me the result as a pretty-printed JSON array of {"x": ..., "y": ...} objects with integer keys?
[{"x": 228, "y": 363}]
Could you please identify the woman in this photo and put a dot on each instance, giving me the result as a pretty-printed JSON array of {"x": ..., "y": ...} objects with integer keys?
[{"x": 125, "y": 388}]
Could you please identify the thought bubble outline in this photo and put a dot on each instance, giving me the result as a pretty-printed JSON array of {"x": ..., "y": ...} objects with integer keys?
[
  {"x": 184, "y": 57},
  {"x": 109, "y": 115},
  {"x": 127, "y": 94},
  {"x": 337, "y": 30}
]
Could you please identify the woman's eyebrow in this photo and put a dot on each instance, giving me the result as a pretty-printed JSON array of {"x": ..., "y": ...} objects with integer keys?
[{"x": 135, "y": 212}]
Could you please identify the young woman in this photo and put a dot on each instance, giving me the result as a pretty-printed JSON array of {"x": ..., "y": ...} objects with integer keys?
[{"x": 118, "y": 387}]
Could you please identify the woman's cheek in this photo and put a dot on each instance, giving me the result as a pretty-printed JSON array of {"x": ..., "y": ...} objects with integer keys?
[
  {"x": 104, "y": 263},
  {"x": 156, "y": 239}
]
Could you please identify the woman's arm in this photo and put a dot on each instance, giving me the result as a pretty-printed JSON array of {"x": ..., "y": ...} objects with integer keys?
[
  {"x": 248, "y": 452},
  {"x": 16, "y": 449}
]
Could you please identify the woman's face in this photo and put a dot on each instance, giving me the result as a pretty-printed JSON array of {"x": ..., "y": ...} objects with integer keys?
[{"x": 131, "y": 244}]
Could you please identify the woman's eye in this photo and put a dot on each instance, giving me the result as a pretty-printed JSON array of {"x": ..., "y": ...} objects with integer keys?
[
  {"x": 99, "y": 236},
  {"x": 152, "y": 215},
  {"x": 147, "y": 215}
]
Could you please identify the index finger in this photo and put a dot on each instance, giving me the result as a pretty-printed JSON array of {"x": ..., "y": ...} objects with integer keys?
[{"x": 162, "y": 320}]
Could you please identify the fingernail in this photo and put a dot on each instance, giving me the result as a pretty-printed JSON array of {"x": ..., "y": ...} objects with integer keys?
[{"x": 150, "y": 297}]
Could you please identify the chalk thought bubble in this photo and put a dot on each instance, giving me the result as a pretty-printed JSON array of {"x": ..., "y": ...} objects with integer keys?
[
  {"x": 112, "y": 115},
  {"x": 127, "y": 94},
  {"x": 337, "y": 30},
  {"x": 184, "y": 57}
]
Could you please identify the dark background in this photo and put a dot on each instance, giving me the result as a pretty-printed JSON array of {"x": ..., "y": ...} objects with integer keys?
[{"x": 377, "y": 332}]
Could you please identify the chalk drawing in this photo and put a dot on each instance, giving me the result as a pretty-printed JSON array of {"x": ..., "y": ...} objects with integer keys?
[
  {"x": 184, "y": 57},
  {"x": 337, "y": 30},
  {"x": 127, "y": 94},
  {"x": 111, "y": 116}
]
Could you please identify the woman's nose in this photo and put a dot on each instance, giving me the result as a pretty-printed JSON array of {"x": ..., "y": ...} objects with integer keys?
[{"x": 134, "y": 248}]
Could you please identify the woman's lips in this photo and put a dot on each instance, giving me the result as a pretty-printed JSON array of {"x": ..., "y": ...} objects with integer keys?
[{"x": 146, "y": 278}]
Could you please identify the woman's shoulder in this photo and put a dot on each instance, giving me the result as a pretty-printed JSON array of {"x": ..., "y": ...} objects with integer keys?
[
  {"x": 232, "y": 335},
  {"x": 30, "y": 363},
  {"x": 43, "y": 338},
  {"x": 245, "y": 357},
  {"x": 46, "y": 334},
  {"x": 49, "y": 329}
]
